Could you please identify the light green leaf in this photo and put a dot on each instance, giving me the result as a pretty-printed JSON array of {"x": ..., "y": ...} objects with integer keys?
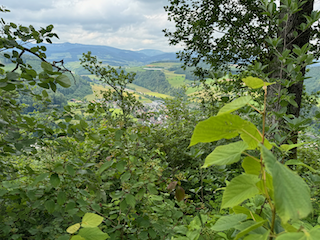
[
  {"x": 93, "y": 234},
  {"x": 287, "y": 147},
  {"x": 54, "y": 180},
  {"x": 235, "y": 105},
  {"x": 217, "y": 127},
  {"x": 130, "y": 199},
  {"x": 47, "y": 67},
  {"x": 251, "y": 166},
  {"x": 40, "y": 178},
  {"x": 72, "y": 229},
  {"x": 297, "y": 162},
  {"x": 64, "y": 81},
  {"x": 249, "y": 229},
  {"x": 255, "y": 83},
  {"x": 291, "y": 193},
  {"x": 3, "y": 192},
  {"x": 50, "y": 205},
  {"x": 77, "y": 237},
  {"x": 91, "y": 220},
  {"x": 94, "y": 136},
  {"x": 239, "y": 189},
  {"x": 251, "y": 135},
  {"x": 314, "y": 234},
  {"x": 224, "y": 155},
  {"x": 229, "y": 221},
  {"x": 264, "y": 236}
]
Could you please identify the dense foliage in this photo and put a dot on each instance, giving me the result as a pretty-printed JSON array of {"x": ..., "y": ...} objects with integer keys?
[{"x": 85, "y": 172}]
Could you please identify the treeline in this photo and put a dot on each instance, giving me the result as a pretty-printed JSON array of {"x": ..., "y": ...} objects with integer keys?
[{"x": 155, "y": 81}]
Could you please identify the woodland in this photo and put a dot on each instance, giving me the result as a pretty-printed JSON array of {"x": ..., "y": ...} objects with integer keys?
[{"x": 239, "y": 159}]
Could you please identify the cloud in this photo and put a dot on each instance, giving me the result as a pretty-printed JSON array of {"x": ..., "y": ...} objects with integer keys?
[{"x": 126, "y": 24}]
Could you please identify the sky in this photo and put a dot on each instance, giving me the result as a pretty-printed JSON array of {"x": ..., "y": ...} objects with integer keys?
[{"x": 124, "y": 24}]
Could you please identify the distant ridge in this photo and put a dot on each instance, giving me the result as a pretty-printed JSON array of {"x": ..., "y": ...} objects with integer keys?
[{"x": 71, "y": 52}]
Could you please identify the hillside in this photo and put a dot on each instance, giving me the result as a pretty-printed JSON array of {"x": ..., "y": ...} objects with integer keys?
[{"x": 71, "y": 52}]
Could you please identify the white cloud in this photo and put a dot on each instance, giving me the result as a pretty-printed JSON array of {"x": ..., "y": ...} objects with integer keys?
[{"x": 126, "y": 24}]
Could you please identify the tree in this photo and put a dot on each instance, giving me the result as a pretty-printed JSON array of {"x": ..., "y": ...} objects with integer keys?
[{"x": 278, "y": 41}]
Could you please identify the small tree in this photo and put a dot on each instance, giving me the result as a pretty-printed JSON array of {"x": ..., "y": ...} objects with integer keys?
[{"x": 117, "y": 80}]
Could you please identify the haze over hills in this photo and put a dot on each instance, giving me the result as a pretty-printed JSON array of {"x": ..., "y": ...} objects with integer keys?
[{"x": 71, "y": 52}]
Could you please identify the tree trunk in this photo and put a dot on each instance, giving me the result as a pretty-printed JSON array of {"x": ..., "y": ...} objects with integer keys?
[{"x": 275, "y": 91}]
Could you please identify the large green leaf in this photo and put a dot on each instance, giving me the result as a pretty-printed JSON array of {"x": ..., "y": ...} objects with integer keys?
[
  {"x": 91, "y": 220},
  {"x": 229, "y": 221},
  {"x": 217, "y": 127},
  {"x": 264, "y": 236},
  {"x": 77, "y": 237},
  {"x": 249, "y": 213},
  {"x": 291, "y": 193},
  {"x": 93, "y": 234},
  {"x": 239, "y": 189},
  {"x": 235, "y": 105},
  {"x": 314, "y": 234},
  {"x": 255, "y": 83},
  {"x": 227, "y": 154}
]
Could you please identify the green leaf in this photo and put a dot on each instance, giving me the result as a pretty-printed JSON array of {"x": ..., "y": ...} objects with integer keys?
[
  {"x": 227, "y": 154},
  {"x": 152, "y": 188},
  {"x": 235, "y": 105},
  {"x": 249, "y": 229},
  {"x": 94, "y": 137},
  {"x": 77, "y": 237},
  {"x": 72, "y": 229},
  {"x": 264, "y": 236},
  {"x": 255, "y": 83},
  {"x": 125, "y": 177},
  {"x": 287, "y": 147},
  {"x": 297, "y": 162},
  {"x": 91, "y": 220},
  {"x": 251, "y": 166},
  {"x": 40, "y": 178},
  {"x": 239, "y": 189},
  {"x": 218, "y": 127},
  {"x": 180, "y": 193},
  {"x": 54, "y": 180},
  {"x": 314, "y": 234},
  {"x": 250, "y": 214},
  {"x": 291, "y": 193},
  {"x": 130, "y": 199},
  {"x": 47, "y": 67},
  {"x": 62, "y": 197},
  {"x": 64, "y": 81},
  {"x": 3, "y": 192},
  {"x": 70, "y": 170},
  {"x": 227, "y": 222},
  {"x": 104, "y": 166},
  {"x": 50, "y": 205},
  {"x": 251, "y": 135},
  {"x": 93, "y": 234}
]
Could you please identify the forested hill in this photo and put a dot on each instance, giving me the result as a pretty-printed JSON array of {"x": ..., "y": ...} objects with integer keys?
[
  {"x": 71, "y": 52},
  {"x": 155, "y": 81}
]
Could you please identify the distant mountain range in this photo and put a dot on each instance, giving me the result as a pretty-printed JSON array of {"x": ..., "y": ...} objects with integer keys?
[{"x": 71, "y": 52}]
